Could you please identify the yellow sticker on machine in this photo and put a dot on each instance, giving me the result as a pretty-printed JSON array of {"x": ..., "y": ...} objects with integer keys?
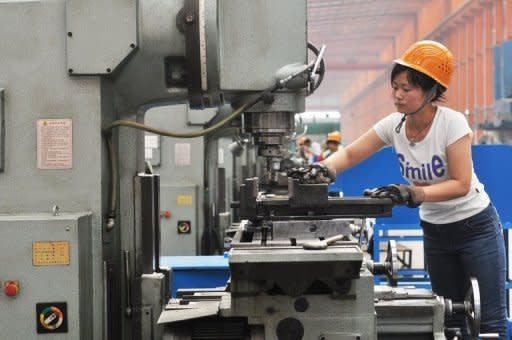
[
  {"x": 184, "y": 200},
  {"x": 50, "y": 253}
]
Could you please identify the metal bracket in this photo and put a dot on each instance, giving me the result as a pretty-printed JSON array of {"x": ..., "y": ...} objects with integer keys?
[{"x": 100, "y": 34}]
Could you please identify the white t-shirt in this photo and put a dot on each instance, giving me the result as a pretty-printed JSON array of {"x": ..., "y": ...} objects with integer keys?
[{"x": 425, "y": 163}]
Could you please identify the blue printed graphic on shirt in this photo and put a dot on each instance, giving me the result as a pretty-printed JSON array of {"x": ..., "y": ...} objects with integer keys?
[{"x": 425, "y": 172}]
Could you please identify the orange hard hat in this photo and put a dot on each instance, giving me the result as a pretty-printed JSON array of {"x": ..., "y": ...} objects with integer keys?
[
  {"x": 430, "y": 58},
  {"x": 334, "y": 137},
  {"x": 304, "y": 140}
]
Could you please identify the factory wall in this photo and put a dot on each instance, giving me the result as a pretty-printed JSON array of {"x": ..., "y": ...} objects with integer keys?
[{"x": 472, "y": 29}]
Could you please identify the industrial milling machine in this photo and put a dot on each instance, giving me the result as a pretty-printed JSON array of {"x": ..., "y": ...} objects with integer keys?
[
  {"x": 80, "y": 217},
  {"x": 298, "y": 272}
]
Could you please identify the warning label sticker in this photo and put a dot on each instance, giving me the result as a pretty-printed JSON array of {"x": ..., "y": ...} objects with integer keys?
[
  {"x": 54, "y": 143},
  {"x": 50, "y": 253}
]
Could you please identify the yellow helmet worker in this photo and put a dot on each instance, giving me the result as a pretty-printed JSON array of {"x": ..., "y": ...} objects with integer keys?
[
  {"x": 334, "y": 137},
  {"x": 332, "y": 143}
]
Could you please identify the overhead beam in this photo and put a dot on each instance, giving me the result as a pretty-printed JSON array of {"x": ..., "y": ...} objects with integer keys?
[
  {"x": 336, "y": 36},
  {"x": 339, "y": 65},
  {"x": 359, "y": 30},
  {"x": 344, "y": 53},
  {"x": 350, "y": 4},
  {"x": 335, "y": 5},
  {"x": 363, "y": 17}
]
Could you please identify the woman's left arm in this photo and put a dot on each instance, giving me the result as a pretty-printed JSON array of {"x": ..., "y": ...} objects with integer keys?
[{"x": 460, "y": 170}]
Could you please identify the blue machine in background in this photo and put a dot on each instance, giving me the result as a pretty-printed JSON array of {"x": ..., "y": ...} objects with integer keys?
[
  {"x": 196, "y": 271},
  {"x": 499, "y": 124}
]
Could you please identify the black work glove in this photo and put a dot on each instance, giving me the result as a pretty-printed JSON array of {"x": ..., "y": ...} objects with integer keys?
[
  {"x": 400, "y": 194},
  {"x": 317, "y": 173}
]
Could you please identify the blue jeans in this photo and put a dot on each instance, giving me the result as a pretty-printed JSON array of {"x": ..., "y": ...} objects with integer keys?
[{"x": 472, "y": 247}]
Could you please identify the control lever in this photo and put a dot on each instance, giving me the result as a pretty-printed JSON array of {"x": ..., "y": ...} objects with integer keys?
[
  {"x": 317, "y": 62},
  {"x": 389, "y": 267},
  {"x": 322, "y": 244},
  {"x": 471, "y": 308},
  {"x": 265, "y": 228},
  {"x": 127, "y": 277}
]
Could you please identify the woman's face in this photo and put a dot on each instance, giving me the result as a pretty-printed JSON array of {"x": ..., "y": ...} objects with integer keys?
[{"x": 406, "y": 97}]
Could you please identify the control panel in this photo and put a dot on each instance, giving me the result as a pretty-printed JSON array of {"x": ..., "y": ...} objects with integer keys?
[
  {"x": 45, "y": 263},
  {"x": 178, "y": 220}
]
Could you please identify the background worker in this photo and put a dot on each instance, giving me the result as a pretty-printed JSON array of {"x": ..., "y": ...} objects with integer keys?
[
  {"x": 462, "y": 231},
  {"x": 304, "y": 155},
  {"x": 332, "y": 144}
]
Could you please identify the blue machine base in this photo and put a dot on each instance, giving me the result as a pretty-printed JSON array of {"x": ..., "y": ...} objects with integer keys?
[{"x": 196, "y": 271}]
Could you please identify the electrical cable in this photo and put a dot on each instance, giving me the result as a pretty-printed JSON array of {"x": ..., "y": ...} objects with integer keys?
[
  {"x": 113, "y": 157},
  {"x": 211, "y": 129},
  {"x": 236, "y": 113},
  {"x": 113, "y": 179}
]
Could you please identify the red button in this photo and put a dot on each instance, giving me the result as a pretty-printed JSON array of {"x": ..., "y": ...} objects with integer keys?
[
  {"x": 11, "y": 289},
  {"x": 166, "y": 214}
]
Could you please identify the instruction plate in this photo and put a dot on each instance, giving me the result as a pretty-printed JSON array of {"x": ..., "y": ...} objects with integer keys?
[
  {"x": 54, "y": 144},
  {"x": 50, "y": 253}
]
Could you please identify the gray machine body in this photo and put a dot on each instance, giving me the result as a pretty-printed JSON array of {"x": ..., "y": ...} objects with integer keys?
[
  {"x": 347, "y": 310},
  {"x": 345, "y": 313},
  {"x": 180, "y": 163},
  {"x": 181, "y": 201},
  {"x": 409, "y": 312},
  {"x": 93, "y": 62},
  {"x": 281, "y": 289},
  {"x": 251, "y": 67},
  {"x": 43, "y": 275}
]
